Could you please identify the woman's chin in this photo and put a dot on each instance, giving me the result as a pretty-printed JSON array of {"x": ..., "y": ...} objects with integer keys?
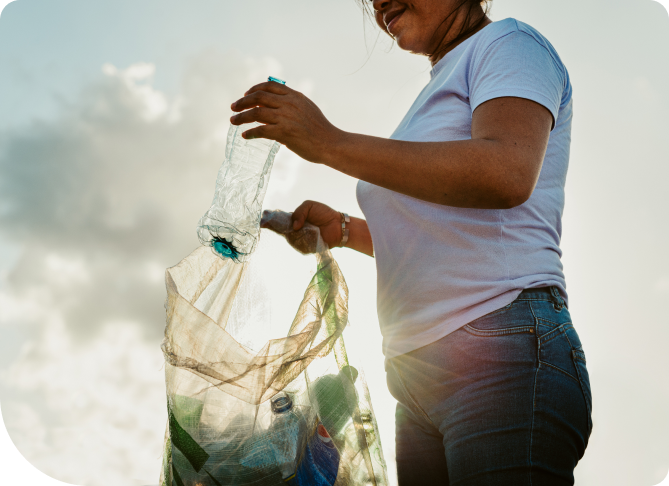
[
  {"x": 406, "y": 43},
  {"x": 401, "y": 41}
]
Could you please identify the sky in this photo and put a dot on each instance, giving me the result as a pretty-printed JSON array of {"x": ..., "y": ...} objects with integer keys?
[{"x": 113, "y": 117}]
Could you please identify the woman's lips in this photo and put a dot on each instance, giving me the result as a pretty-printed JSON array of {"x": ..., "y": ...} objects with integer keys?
[{"x": 393, "y": 21}]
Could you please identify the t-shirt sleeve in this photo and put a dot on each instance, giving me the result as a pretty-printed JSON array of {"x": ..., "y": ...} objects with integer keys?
[{"x": 517, "y": 65}]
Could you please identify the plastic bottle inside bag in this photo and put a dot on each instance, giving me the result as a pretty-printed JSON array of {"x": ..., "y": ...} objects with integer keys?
[
  {"x": 298, "y": 444},
  {"x": 335, "y": 398},
  {"x": 288, "y": 433}
]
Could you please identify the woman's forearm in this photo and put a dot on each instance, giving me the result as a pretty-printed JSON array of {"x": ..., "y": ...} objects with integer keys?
[
  {"x": 468, "y": 173},
  {"x": 496, "y": 169},
  {"x": 359, "y": 237}
]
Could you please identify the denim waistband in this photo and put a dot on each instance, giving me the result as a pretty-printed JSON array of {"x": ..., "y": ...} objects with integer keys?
[{"x": 551, "y": 294}]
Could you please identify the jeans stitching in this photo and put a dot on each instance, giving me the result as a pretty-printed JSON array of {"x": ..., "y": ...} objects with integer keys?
[
  {"x": 530, "y": 299},
  {"x": 553, "y": 322},
  {"x": 555, "y": 333},
  {"x": 562, "y": 328},
  {"x": 499, "y": 332},
  {"x": 534, "y": 407},
  {"x": 534, "y": 390},
  {"x": 588, "y": 404},
  {"x": 550, "y": 335},
  {"x": 558, "y": 331},
  {"x": 559, "y": 369}
]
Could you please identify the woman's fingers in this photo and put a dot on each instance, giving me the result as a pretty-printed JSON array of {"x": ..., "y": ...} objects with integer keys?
[
  {"x": 257, "y": 98},
  {"x": 270, "y": 87},
  {"x": 321, "y": 215},
  {"x": 263, "y": 131},
  {"x": 262, "y": 115},
  {"x": 298, "y": 223},
  {"x": 289, "y": 118},
  {"x": 300, "y": 214}
]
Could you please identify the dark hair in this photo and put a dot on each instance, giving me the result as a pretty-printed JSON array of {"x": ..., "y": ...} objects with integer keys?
[{"x": 466, "y": 30}]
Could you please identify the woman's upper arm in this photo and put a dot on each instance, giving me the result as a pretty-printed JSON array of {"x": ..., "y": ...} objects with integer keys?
[
  {"x": 521, "y": 129},
  {"x": 517, "y": 85}
]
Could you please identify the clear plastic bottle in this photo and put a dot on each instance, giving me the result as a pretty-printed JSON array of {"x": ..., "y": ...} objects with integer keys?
[
  {"x": 288, "y": 433},
  {"x": 231, "y": 226},
  {"x": 304, "y": 451},
  {"x": 297, "y": 444}
]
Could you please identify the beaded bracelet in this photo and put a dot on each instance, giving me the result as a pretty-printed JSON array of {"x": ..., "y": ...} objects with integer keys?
[{"x": 344, "y": 230}]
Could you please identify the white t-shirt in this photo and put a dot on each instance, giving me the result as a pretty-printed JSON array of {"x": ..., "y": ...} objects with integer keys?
[{"x": 441, "y": 267}]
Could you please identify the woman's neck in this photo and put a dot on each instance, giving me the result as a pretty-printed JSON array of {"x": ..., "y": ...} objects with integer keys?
[{"x": 440, "y": 52}]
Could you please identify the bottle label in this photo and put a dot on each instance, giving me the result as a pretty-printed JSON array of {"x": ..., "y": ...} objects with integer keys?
[{"x": 320, "y": 461}]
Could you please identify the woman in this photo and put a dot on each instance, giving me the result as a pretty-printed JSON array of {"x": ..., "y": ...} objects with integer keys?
[{"x": 463, "y": 210}]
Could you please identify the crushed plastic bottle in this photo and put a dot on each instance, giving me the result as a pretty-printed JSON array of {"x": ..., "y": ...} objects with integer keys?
[
  {"x": 231, "y": 226},
  {"x": 298, "y": 444}
]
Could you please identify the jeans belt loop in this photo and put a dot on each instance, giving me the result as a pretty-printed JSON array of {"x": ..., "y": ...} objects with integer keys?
[{"x": 558, "y": 301}]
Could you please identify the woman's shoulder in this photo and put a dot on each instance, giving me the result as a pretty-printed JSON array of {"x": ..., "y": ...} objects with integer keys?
[
  {"x": 501, "y": 28},
  {"x": 515, "y": 33},
  {"x": 515, "y": 59}
]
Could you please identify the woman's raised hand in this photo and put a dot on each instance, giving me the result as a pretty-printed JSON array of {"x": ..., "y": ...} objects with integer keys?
[{"x": 288, "y": 117}]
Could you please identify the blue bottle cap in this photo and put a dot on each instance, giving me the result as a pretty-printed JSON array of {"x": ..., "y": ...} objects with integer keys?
[{"x": 276, "y": 80}]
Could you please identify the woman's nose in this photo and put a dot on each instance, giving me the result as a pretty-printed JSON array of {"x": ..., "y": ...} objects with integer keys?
[{"x": 380, "y": 4}]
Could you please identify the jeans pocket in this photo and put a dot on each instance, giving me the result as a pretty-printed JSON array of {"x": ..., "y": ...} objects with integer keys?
[
  {"x": 514, "y": 318},
  {"x": 578, "y": 357}
]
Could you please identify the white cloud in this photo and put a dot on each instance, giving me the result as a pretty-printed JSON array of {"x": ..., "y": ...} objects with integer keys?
[
  {"x": 103, "y": 411},
  {"x": 65, "y": 270},
  {"x": 137, "y": 78},
  {"x": 99, "y": 202},
  {"x": 29, "y": 307},
  {"x": 154, "y": 272}
]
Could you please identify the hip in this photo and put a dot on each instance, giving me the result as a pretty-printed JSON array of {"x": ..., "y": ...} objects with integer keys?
[{"x": 522, "y": 359}]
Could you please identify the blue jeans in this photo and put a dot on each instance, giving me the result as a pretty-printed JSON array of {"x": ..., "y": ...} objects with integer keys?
[{"x": 503, "y": 401}]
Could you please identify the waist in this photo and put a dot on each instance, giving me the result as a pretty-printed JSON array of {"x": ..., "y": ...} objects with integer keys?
[{"x": 551, "y": 294}]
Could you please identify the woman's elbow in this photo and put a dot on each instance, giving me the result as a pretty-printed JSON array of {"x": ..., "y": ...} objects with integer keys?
[
  {"x": 516, "y": 195},
  {"x": 519, "y": 182}
]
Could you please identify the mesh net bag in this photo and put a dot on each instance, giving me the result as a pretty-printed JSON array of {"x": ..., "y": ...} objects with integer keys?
[{"x": 225, "y": 373}]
